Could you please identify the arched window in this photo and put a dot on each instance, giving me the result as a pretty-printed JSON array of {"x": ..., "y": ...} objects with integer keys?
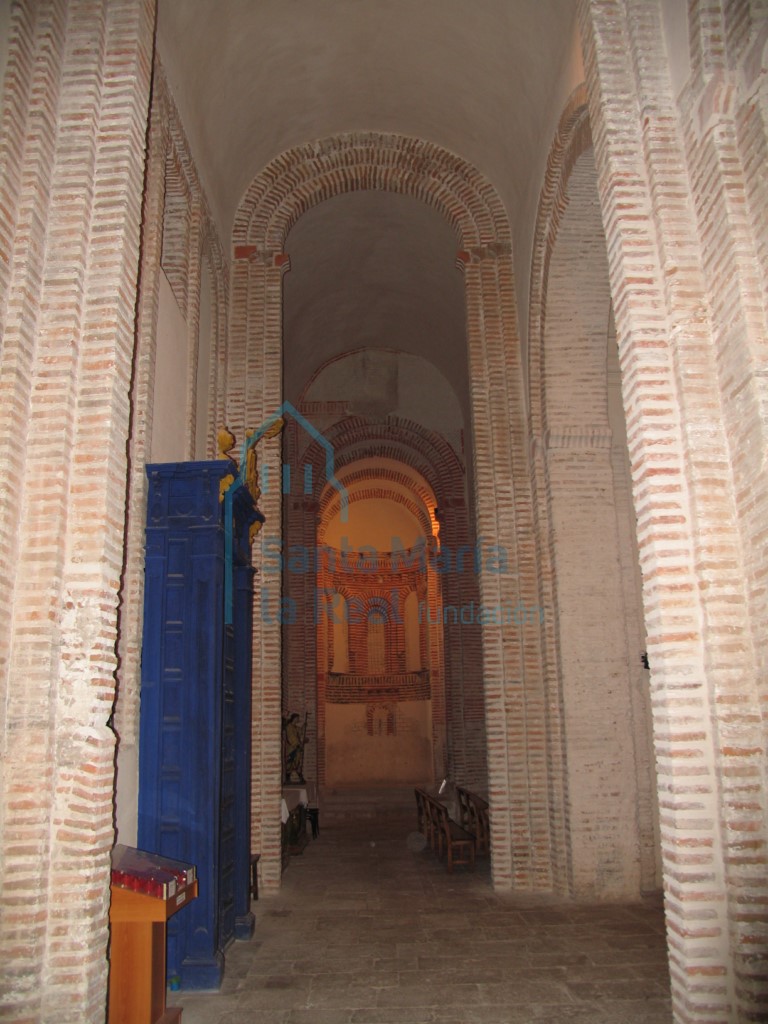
[
  {"x": 412, "y": 633},
  {"x": 377, "y": 649},
  {"x": 340, "y": 658}
]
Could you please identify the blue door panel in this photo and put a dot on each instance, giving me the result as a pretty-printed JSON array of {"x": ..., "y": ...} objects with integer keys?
[{"x": 194, "y": 756}]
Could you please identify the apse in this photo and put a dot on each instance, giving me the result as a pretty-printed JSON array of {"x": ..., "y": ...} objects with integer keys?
[
  {"x": 375, "y": 357},
  {"x": 376, "y": 664}
]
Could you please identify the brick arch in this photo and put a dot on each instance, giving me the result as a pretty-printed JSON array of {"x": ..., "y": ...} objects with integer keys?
[
  {"x": 331, "y": 505},
  {"x": 210, "y": 251},
  {"x": 176, "y": 249},
  {"x": 392, "y": 477},
  {"x": 434, "y": 475},
  {"x": 510, "y": 704},
  {"x": 573, "y": 137},
  {"x": 354, "y": 438},
  {"x": 304, "y": 176},
  {"x": 581, "y": 478},
  {"x": 376, "y": 603}
]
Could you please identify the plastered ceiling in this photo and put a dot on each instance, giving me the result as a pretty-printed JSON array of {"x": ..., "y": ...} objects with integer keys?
[{"x": 486, "y": 79}]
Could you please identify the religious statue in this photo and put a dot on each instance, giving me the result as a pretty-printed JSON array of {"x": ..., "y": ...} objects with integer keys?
[{"x": 294, "y": 741}]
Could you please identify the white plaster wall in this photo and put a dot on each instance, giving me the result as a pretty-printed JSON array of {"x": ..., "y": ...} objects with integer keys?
[
  {"x": 127, "y": 794},
  {"x": 205, "y": 328},
  {"x": 674, "y": 15},
  {"x": 5, "y": 28},
  {"x": 170, "y": 420},
  {"x": 354, "y": 757},
  {"x": 387, "y": 383}
]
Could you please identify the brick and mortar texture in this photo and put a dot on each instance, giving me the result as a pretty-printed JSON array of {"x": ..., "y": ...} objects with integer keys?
[
  {"x": 679, "y": 198},
  {"x": 74, "y": 119},
  {"x": 177, "y": 236},
  {"x": 679, "y": 249}
]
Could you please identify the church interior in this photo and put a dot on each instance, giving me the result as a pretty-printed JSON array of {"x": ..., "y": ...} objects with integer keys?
[{"x": 384, "y": 402}]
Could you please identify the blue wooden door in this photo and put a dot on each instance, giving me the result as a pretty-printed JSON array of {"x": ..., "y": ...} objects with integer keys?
[
  {"x": 192, "y": 802},
  {"x": 227, "y": 809}
]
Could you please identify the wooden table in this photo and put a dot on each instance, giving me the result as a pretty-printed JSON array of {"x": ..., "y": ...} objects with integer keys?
[{"x": 137, "y": 954}]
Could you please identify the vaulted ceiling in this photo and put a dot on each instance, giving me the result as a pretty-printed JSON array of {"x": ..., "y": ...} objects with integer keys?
[{"x": 485, "y": 79}]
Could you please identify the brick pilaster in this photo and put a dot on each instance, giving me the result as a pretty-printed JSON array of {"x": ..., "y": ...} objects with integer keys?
[
  {"x": 512, "y": 663},
  {"x": 696, "y": 609},
  {"x": 79, "y": 335},
  {"x": 254, "y": 393}
]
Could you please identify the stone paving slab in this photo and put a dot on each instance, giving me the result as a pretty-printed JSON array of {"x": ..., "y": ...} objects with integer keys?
[{"x": 375, "y": 931}]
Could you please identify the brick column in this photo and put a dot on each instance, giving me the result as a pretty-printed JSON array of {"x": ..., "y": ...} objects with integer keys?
[
  {"x": 463, "y": 651},
  {"x": 709, "y": 745},
  {"x": 300, "y": 634},
  {"x": 512, "y": 658},
  {"x": 75, "y": 115},
  {"x": 254, "y": 392},
  {"x": 142, "y": 408}
]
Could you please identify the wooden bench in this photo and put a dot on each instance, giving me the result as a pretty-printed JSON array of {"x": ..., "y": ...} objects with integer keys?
[
  {"x": 475, "y": 818},
  {"x": 444, "y": 835}
]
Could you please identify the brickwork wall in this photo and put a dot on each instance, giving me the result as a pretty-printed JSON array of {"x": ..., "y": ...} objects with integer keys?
[
  {"x": 677, "y": 186},
  {"x": 73, "y": 127},
  {"x": 600, "y": 632},
  {"x": 178, "y": 233},
  {"x": 595, "y": 633},
  {"x": 723, "y": 113}
]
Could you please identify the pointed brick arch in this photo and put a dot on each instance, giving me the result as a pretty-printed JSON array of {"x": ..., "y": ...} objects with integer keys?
[
  {"x": 513, "y": 702},
  {"x": 572, "y": 138}
]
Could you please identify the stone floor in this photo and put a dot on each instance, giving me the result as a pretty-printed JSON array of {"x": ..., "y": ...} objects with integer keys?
[{"x": 369, "y": 928}]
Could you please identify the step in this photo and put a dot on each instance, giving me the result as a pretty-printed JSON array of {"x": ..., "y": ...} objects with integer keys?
[{"x": 341, "y": 804}]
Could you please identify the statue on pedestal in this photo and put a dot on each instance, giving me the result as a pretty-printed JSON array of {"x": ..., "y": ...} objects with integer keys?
[{"x": 294, "y": 741}]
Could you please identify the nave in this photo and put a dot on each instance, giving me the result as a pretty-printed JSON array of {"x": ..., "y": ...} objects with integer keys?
[{"x": 369, "y": 928}]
